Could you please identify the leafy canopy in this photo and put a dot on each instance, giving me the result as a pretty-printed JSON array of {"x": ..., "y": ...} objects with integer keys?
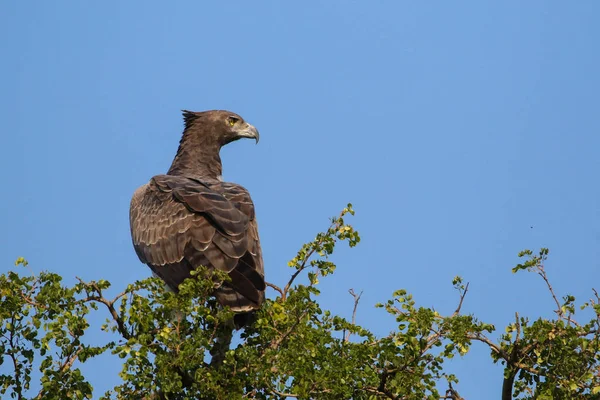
[{"x": 294, "y": 349}]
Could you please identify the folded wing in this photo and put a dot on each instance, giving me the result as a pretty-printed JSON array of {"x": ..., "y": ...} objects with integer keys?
[{"x": 179, "y": 223}]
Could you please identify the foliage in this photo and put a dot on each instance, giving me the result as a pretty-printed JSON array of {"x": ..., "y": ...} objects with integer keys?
[{"x": 292, "y": 349}]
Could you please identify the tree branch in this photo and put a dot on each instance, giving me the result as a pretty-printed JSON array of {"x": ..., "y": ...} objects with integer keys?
[
  {"x": 277, "y": 288},
  {"x": 452, "y": 394},
  {"x": 313, "y": 248},
  {"x": 69, "y": 361},
  {"x": 507, "y": 384},
  {"x": 542, "y": 273},
  {"x": 356, "y": 300},
  {"x": 503, "y": 354},
  {"x": 462, "y": 298},
  {"x": 67, "y": 364},
  {"x": 387, "y": 393},
  {"x": 18, "y": 384},
  {"x": 298, "y": 271},
  {"x": 99, "y": 298}
]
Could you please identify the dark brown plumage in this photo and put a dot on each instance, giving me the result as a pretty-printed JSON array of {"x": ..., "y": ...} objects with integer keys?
[{"x": 189, "y": 217}]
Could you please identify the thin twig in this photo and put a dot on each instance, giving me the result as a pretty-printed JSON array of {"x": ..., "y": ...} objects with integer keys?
[
  {"x": 356, "y": 300},
  {"x": 434, "y": 337},
  {"x": 277, "y": 288},
  {"x": 303, "y": 266},
  {"x": 462, "y": 298},
  {"x": 108, "y": 303},
  {"x": 113, "y": 312},
  {"x": 503, "y": 354},
  {"x": 542, "y": 273},
  {"x": 298, "y": 271}
]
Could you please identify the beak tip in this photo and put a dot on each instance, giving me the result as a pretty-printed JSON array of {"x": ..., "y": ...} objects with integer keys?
[{"x": 256, "y": 135}]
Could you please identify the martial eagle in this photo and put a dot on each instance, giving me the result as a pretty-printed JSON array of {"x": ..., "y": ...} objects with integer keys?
[{"x": 190, "y": 217}]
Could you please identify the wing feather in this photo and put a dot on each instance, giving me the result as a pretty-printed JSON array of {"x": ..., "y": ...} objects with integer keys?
[{"x": 180, "y": 223}]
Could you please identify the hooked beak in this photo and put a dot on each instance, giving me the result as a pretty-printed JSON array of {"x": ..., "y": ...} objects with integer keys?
[{"x": 250, "y": 132}]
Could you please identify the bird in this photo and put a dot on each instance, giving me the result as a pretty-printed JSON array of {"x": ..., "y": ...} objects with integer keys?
[{"x": 190, "y": 217}]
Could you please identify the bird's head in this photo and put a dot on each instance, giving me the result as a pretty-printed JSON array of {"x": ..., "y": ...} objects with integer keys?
[{"x": 219, "y": 125}]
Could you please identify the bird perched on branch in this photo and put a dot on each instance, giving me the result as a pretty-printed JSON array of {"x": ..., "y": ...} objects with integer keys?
[{"x": 190, "y": 217}]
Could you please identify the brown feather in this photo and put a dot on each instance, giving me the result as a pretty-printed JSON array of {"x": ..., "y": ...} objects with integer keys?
[{"x": 189, "y": 218}]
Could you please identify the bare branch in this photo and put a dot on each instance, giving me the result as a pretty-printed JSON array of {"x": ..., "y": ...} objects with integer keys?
[
  {"x": 356, "y": 300},
  {"x": 99, "y": 298},
  {"x": 113, "y": 312},
  {"x": 277, "y": 288},
  {"x": 503, "y": 354},
  {"x": 435, "y": 335},
  {"x": 462, "y": 298},
  {"x": 542, "y": 273}
]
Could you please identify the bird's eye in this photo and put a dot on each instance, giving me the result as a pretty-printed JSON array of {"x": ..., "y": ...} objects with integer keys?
[{"x": 232, "y": 120}]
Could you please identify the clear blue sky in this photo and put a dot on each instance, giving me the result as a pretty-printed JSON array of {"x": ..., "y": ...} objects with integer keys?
[{"x": 463, "y": 132}]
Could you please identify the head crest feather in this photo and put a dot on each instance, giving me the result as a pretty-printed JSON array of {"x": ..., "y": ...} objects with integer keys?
[{"x": 189, "y": 117}]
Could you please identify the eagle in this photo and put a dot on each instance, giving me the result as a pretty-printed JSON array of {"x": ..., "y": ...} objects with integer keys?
[{"x": 190, "y": 217}]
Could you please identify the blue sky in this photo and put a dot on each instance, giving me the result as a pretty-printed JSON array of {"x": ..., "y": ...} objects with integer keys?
[{"x": 462, "y": 132}]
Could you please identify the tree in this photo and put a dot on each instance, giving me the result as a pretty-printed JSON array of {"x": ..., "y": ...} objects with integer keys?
[{"x": 293, "y": 349}]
